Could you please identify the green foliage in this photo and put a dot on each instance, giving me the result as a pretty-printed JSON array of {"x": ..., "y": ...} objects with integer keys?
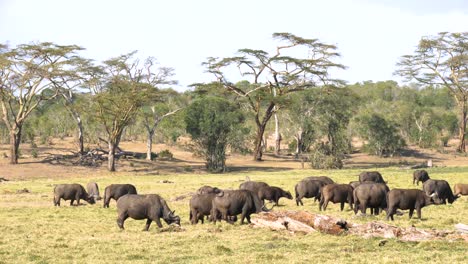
[
  {"x": 211, "y": 122},
  {"x": 165, "y": 154},
  {"x": 381, "y": 135},
  {"x": 322, "y": 157}
]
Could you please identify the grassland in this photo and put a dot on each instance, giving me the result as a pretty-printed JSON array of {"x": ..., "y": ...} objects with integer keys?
[{"x": 34, "y": 231}]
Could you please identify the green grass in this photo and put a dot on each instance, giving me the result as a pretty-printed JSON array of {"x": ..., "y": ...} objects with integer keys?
[{"x": 34, "y": 231}]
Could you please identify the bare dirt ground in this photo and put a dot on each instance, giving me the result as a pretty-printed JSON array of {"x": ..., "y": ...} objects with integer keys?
[{"x": 51, "y": 163}]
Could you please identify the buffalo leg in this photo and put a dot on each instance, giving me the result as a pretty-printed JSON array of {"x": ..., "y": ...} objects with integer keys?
[
  {"x": 411, "y": 211},
  {"x": 418, "y": 212},
  {"x": 363, "y": 207},
  {"x": 248, "y": 218},
  {"x": 121, "y": 219},
  {"x": 390, "y": 213},
  {"x": 325, "y": 204},
  {"x": 71, "y": 202},
  {"x": 57, "y": 201},
  {"x": 298, "y": 201},
  {"x": 106, "y": 202},
  {"x": 158, "y": 222},
  {"x": 341, "y": 206},
  {"x": 148, "y": 223}
]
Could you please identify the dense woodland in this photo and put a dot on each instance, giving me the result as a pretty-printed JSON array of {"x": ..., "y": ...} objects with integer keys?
[{"x": 49, "y": 91}]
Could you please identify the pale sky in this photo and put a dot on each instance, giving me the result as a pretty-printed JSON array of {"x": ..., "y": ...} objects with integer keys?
[{"x": 370, "y": 35}]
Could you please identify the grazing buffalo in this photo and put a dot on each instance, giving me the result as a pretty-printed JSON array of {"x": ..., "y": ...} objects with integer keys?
[
  {"x": 272, "y": 193},
  {"x": 420, "y": 176},
  {"x": 232, "y": 203},
  {"x": 71, "y": 192},
  {"x": 93, "y": 190},
  {"x": 208, "y": 189},
  {"x": 370, "y": 195},
  {"x": 253, "y": 186},
  {"x": 371, "y": 176},
  {"x": 115, "y": 191},
  {"x": 336, "y": 193},
  {"x": 409, "y": 199},
  {"x": 441, "y": 188},
  {"x": 460, "y": 189},
  {"x": 200, "y": 206},
  {"x": 323, "y": 179},
  {"x": 151, "y": 207},
  {"x": 308, "y": 189}
]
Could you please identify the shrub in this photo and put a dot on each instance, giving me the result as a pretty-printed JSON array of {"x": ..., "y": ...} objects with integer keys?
[
  {"x": 321, "y": 157},
  {"x": 211, "y": 122},
  {"x": 165, "y": 154}
]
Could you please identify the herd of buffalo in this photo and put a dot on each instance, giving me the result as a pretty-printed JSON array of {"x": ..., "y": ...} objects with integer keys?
[{"x": 371, "y": 191}]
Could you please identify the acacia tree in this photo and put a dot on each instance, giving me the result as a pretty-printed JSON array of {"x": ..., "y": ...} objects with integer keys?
[
  {"x": 155, "y": 113},
  {"x": 442, "y": 60},
  {"x": 272, "y": 76},
  {"x": 121, "y": 87},
  {"x": 27, "y": 75}
]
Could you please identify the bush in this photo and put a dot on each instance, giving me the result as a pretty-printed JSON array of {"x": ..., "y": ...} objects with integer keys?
[
  {"x": 211, "y": 121},
  {"x": 165, "y": 154},
  {"x": 321, "y": 157},
  {"x": 381, "y": 134}
]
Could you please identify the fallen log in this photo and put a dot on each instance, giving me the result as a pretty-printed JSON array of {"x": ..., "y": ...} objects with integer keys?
[{"x": 305, "y": 222}]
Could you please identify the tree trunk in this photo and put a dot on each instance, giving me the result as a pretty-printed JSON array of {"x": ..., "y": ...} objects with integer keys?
[
  {"x": 15, "y": 139},
  {"x": 111, "y": 156},
  {"x": 149, "y": 145},
  {"x": 277, "y": 136},
  {"x": 258, "y": 153},
  {"x": 462, "y": 130},
  {"x": 80, "y": 135}
]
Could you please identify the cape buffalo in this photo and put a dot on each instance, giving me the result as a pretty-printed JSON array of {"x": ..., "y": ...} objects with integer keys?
[
  {"x": 200, "y": 205},
  {"x": 93, "y": 190},
  {"x": 272, "y": 193},
  {"x": 208, "y": 189},
  {"x": 370, "y": 195},
  {"x": 460, "y": 189},
  {"x": 336, "y": 193},
  {"x": 232, "y": 203},
  {"x": 420, "y": 176},
  {"x": 115, "y": 191},
  {"x": 408, "y": 199},
  {"x": 371, "y": 176},
  {"x": 308, "y": 189},
  {"x": 253, "y": 186},
  {"x": 442, "y": 188},
  {"x": 151, "y": 207},
  {"x": 71, "y": 192},
  {"x": 324, "y": 179}
]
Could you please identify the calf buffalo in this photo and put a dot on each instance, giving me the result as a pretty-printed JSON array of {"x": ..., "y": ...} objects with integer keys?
[
  {"x": 208, "y": 189},
  {"x": 150, "y": 207},
  {"x": 115, "y": 191},
  {"x": 71, "y": 192},
  {"x": 370, "y": 195},
  {"x": 441, "y": 188},
  {"x": 420, "y": 176},
  {"x": 371, "y": 176},
  {"x": 460, "y": 189},
  {"x": 308, "y": 189},
  {"x": 93, "y": 190},
  {"x": 336, "y": 193},
  {"x": 232, "y": 203},
  {"x": 272, "y": 193},
  {"x": 408, "y": 199}
]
